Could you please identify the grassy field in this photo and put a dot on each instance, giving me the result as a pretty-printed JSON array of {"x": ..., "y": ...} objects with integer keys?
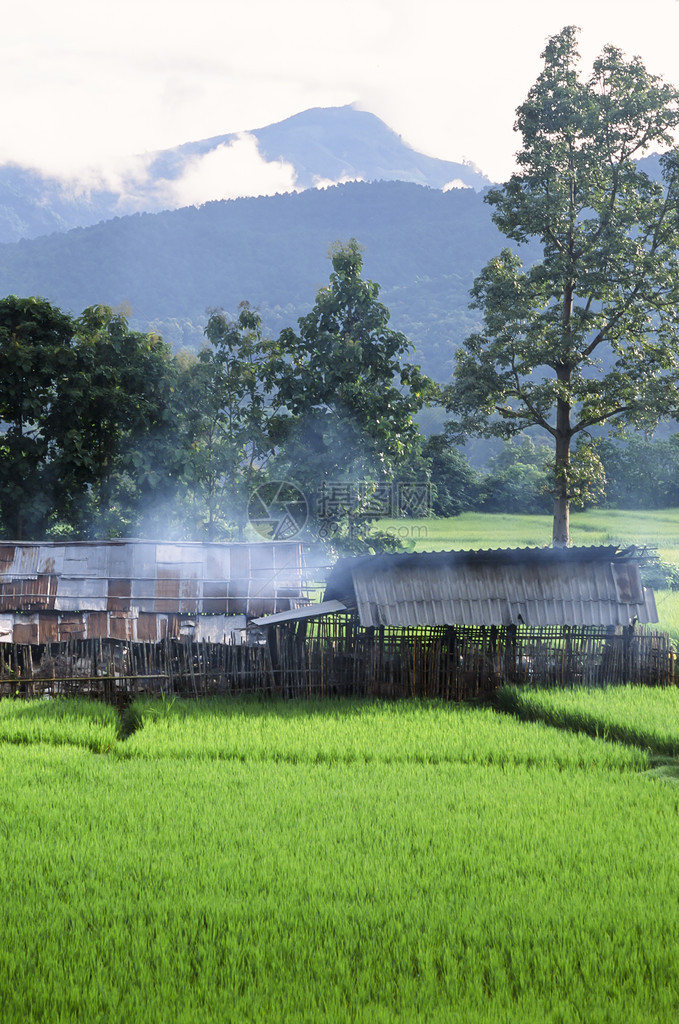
[
  {"x": 475, "y": 530},
  {"x": 643, "y": 717},
  {"x": 411, "y": 862}
]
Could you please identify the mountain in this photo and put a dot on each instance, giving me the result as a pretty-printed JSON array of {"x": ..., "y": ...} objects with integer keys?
[
  {"x": 336, "y": 144},
  {"x": 316, "y": 147},
  {"x": 423, "y": 246}
]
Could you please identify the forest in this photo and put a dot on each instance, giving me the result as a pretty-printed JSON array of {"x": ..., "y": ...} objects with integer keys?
[
  {"x": 109, "y": 432},
  {"x": 166, "y": 269}
]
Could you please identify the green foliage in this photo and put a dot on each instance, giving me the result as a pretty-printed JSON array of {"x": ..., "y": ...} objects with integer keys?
[
  {"x": 108, "y": 434},
  {"x": 351, "y": 396},
  {"x": 36, "y": 371},
  {"x": 86, "y": 427},
  {"x": 659, "y": 574},
  {"x": 585, "y": 335},
  {"x": 123, "y": 433},
  {"x": 455, "y": 483},
  {"x": 518, "y": 479},
  {"x": 231, "y": 413},
  {"x": 641, "y": 472}
]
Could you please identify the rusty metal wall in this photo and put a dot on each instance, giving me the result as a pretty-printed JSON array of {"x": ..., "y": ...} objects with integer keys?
[{"x": 143, "y": 590}]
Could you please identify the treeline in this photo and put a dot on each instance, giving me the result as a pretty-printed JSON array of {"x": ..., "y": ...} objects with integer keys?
[
  {"x": 106, "y": 432},
  {"x": 636, "y": 472}
]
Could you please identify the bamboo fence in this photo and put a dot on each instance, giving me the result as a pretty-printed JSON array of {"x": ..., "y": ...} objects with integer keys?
[{"x": 334, "y": 656}]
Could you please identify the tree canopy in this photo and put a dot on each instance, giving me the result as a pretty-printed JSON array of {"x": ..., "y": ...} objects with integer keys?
[
  {"x": 587, "y": 334},
  {"x": 351, "y": 396},
  {"x": 104, "y": 432}
]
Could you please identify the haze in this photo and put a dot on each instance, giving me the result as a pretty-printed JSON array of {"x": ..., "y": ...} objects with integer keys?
[{"x": 89, "y": 84}]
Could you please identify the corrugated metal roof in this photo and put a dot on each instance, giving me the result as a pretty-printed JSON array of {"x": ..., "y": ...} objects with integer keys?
[
  {"x": 310, "y": 612},
  {"x": 537, "y": 586}
]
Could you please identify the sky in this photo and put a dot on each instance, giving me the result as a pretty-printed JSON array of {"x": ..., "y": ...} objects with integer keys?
[{"x": 93, "y": 83}]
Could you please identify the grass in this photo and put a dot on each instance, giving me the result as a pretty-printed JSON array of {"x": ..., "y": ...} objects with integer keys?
[
  {"x": 474, "y": 530},
  {"x": 645, "y": 717},
  {"x": 358, "y": 732},
  {"x": 347, "y": 861},
  {"x": 76, "y": 721}
]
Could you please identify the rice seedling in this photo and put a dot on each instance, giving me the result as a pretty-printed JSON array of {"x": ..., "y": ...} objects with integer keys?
[
  {"x": 349, "y": 861},
  {"x": 363, "y": 732},
  {"x": 74, "y": 720},
  {"x": 647, "y": 717},
  {"x": 156, "y": 889}
]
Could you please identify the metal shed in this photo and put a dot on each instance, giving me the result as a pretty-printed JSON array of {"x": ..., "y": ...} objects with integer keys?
[
  {"x": 140, "y": 590},
  {"x": 583, "y": 586}
]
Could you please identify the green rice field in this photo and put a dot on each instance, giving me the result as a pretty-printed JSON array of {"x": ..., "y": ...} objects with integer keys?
[
  {"x": 645, "y": 717},
  {"x": 474, "y": 530},
  {"x": 232, "y": 860}
]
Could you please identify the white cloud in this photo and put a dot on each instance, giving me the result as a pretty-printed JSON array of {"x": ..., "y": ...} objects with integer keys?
[
  {"x": 455, "y": 183},
  {"x": 82, "y": 83},
  {"x": 322, "y": 183},
  {"x": 228, "y": 172},
  {"x": 123, "y": 175}
]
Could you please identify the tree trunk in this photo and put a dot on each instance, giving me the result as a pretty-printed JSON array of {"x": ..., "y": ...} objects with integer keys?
[
  {"x": 561, "y": 536},
  {"x": 561, "y": 533}
]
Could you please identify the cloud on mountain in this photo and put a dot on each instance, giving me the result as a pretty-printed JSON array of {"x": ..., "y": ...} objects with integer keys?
[{"x": 229, "y": 171}]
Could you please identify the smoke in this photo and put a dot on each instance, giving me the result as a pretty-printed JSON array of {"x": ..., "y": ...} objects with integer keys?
[{"x": 455, "y": 183}]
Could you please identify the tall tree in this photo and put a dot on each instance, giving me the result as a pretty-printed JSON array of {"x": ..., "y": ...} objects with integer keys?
[
  {"x": 231, "y": 410},
  {"x": 351, "y": 395},
  {"x": 587, "y": 334},
  {"x": 37, "y": 355},
  {"x": 119, "y": 454}
]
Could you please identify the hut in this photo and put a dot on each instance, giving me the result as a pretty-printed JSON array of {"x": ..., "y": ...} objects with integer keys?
[
  {"x": 143, "y": 591},
  {"x": 457, "y": 624},
  {"x": 585, "y": 586},
  {"x": 112, "y": 619}
]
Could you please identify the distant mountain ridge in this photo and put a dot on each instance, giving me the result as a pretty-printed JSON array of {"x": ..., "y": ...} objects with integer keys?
[
  {"x": 323, "y": 145},
  {"x": 422, "y": 245},
  {"x": 336, "y": 144}
]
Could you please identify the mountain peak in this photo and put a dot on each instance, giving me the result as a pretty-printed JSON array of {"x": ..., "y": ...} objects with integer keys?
[{"x": 315, "y": 148}]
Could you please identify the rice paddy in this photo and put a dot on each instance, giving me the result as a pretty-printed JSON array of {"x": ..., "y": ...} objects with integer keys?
[
  {"x": 76, "y": 721},
  {"x": 294, "y": 862},
  {"x": 359, "y": 732},
  {"x": 641, "y": 716},
  {"x": 473, "y": 530}
]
